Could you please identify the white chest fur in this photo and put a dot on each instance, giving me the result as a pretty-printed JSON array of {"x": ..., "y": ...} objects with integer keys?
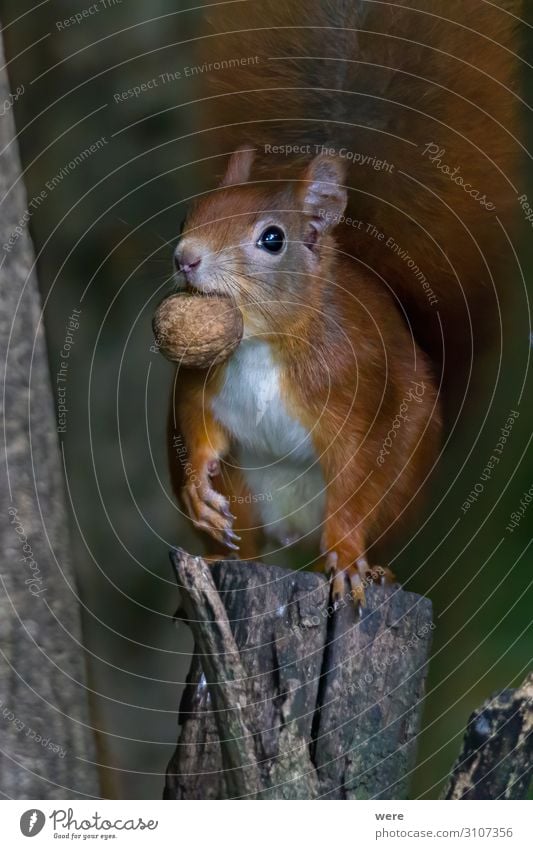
[
  {"x": 250, "y": 406},
  {"x": 273, "y": 449}
]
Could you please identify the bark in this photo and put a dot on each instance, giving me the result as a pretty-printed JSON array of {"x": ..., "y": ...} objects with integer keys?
[
  {"x": 496, "y": 761},
  {"x": 287, "y": 698},
  {"x": 46, "y": 745}
]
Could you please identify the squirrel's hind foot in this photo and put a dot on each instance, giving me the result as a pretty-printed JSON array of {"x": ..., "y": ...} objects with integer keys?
[{"x": 354, "y": 579}]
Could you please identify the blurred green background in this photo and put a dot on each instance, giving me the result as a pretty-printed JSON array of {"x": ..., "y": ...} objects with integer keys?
[{"x": 104, "y": 235}]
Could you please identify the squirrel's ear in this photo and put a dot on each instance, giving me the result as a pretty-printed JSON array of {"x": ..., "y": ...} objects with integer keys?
[
  {"x": 239, "y": 167},
  {"x": 323, "y": 195}
]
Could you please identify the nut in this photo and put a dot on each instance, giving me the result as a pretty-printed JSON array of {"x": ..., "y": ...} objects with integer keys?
[{"x": 197, "y": 331}]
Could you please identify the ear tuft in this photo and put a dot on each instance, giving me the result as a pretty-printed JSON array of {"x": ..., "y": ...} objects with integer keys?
[
  {"x": 239, "y": 167},
  {"x": 323, "y": 195}
]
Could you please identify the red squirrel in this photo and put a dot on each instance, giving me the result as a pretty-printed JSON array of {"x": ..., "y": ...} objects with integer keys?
[{"x": 358, "y": 228}]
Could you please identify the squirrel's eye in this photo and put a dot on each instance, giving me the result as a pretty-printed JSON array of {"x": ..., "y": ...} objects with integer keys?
[{"x": 272, "y": 239}]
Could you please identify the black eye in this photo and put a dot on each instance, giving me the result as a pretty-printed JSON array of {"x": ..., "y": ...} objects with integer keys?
[{"x": 272, "y": 239}]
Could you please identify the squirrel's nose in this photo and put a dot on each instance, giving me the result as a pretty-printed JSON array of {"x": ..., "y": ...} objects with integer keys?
[{"x": 186, "y": 260}]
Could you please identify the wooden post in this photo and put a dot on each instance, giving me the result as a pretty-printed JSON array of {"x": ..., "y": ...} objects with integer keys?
[{"x": 287, "y": 698}]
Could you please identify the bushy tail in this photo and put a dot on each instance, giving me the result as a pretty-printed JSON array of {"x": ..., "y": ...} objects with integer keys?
[{"x": 421, "y": 100}]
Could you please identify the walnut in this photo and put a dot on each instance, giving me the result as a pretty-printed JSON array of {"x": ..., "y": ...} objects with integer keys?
[{"x": 197, "y": 331}]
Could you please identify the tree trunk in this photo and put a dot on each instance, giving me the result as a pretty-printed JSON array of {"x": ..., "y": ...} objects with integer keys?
[
  {"x": 46, "y": 741},
  {"x": 287, "y": 698}
]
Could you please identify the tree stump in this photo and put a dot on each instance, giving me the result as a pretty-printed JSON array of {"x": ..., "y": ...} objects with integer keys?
[
  {"x": 496, "y": 761},
  {"x": 288, "y": 698}
]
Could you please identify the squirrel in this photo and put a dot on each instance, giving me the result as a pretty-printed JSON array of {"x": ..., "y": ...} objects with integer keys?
[{"x": 361, "y": 226}]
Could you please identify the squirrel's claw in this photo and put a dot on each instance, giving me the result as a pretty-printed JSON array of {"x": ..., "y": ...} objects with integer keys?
[
  {"x": 357, "y": 588},
  {"x": 230, "y": 539},
  {"x": 335, "y": 576}
]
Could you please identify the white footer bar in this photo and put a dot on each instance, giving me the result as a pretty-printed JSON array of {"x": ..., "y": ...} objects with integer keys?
[{"x": 255, "y": 825}]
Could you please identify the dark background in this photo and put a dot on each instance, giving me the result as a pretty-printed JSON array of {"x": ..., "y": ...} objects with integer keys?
[{"x": 104, "y": 238}]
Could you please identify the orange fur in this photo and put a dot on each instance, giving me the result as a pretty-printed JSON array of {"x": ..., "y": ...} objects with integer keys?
[
  {"x": 349, "y": 323},
  {"x": 347, "y": 361},
  {"x": 385, "y": 79}
]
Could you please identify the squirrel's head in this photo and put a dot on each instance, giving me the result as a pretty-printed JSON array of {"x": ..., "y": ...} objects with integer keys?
[{"x": 267, "y": 244}]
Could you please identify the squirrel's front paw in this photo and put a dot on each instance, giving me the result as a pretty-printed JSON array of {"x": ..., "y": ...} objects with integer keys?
[{"x": 209, "y": 511}]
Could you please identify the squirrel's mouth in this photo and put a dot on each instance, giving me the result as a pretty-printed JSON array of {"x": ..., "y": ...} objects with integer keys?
[
  {"x": 209, "y": 293},
  {"x": 183, "y": 285},
  {"x": 205, "y": 290}
]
